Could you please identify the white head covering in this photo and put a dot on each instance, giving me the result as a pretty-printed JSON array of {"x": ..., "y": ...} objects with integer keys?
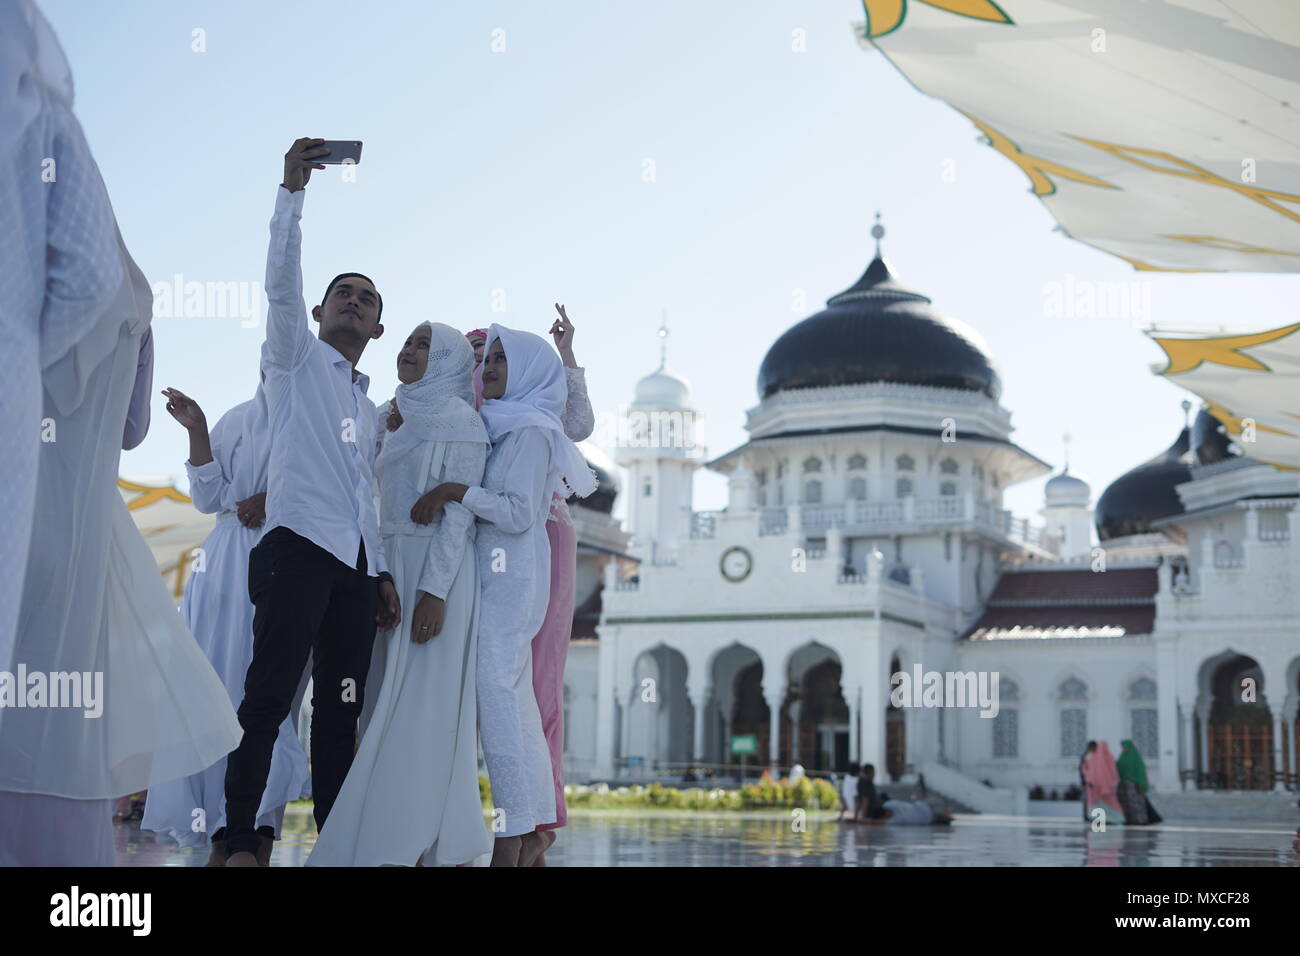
[
  {"x": 440, "y": 406},
  {"x": 79, "y": 285},
  {"x": 536, "y": 392},
  {"x": 32, "y": 65}
]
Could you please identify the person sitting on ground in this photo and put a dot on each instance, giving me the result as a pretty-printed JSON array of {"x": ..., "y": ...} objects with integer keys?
[
  {"x": 870, "y": 802},
  {"x": 911, "y": 813}
]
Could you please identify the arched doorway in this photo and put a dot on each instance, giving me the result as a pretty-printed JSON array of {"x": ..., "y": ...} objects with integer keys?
[
  {"x": 736, "y": 705},
  {"x": 895, "y": 728},
  {"x": 659, "y": 715},
  {"x": 815, "y": 718},
  {"x": 1239, "y": 727}
]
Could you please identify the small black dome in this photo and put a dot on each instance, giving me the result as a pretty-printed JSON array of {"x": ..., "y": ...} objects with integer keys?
[
  {"x": 878, "y": 331},
  {"x": 1145, "y": 494},
  {"x": 602, "y": 499},
  {"x": 1210, "y": 442}
]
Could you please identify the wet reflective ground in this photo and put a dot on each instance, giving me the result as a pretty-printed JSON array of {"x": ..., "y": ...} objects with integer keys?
[{"x": 681, "y": 839}]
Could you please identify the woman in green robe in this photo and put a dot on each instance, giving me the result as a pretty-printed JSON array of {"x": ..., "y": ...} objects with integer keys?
[{"x": 1133, "y": 786}]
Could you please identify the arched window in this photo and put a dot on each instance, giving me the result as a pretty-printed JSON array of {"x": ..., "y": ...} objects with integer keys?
[
  {"x": 812, "y": 492},
  {"x": 1072, "y": 695},
  {"x": 811, "y": 465},
  {"x": 1144, "y": 727},
  {"x": 948, "y": 466},
  {"x": 905, "y": 463},
  {"x": 903, "y": 488},
  {"x": 948, "y": 488},
  {"x": 857, "y": 489},
  {"x": 857, "y": 462},
  {"x": 1006, "y": 725},
  {"x": 761, "y": 481}
]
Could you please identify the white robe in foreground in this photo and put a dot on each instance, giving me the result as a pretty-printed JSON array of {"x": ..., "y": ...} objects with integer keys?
[
  {"x": 94, "y": 604},
  {"x": 413, "y": 786},
  {"x": 514, "y": 559},
  {"x": 218, "y": 611}
]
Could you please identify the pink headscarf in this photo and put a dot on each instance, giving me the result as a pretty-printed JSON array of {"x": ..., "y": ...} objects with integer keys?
[
  {"x": 476, "y": 377},
  {"x": 1100, "y": 771}
]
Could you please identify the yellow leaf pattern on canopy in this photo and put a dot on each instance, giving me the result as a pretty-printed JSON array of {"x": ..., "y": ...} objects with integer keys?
[
  {"x": 885, "y": 16},
  {"x": 1186, "y": 354},
  {"x": 149, "y": 494}
]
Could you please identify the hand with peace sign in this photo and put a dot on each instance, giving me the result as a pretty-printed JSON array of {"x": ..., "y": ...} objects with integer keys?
[{"x": 562, "y": 332}]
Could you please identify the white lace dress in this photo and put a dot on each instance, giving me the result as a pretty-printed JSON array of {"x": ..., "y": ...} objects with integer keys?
[
  {"x": 514, "y": 560},
  {"x": 579, "y": 422},
  {"x": 413, "y": 786}
]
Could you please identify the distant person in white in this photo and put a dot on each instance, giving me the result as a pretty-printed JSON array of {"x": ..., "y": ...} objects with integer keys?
[
  {"x": 412, "y": 796},
  {"x": 312, "y": 576},
  {"x": 227, "y": 472},
  {"x": 92, "y": 602},
  {"x": 524, "y": 393}
]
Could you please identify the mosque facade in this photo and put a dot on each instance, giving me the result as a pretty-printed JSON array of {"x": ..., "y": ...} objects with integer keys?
[{"x": 865, "y": 537}]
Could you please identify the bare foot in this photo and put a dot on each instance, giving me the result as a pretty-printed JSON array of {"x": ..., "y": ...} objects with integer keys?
[
  {"x": 505, "y": 851},
  {"x": 534, "y": 845},
  {"x": 548, "y": 837}
]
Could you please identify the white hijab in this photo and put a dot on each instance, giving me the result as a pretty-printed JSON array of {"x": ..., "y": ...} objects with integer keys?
[
  {"x": 536, "y": 393},
  {"x": 440, "y": 406},
  {"x": 81, "y": 315}
]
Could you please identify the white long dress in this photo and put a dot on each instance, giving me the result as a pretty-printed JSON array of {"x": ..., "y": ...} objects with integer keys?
[
  {"x": 93, "y": 603},
  {"x": 217, "y": 610},
  {"x": 514, "y": 558},
  {"x": 413, "y": 786}
]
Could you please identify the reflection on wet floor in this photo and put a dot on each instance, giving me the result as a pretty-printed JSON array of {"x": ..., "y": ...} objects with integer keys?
[{"x": 682, "y": 839}]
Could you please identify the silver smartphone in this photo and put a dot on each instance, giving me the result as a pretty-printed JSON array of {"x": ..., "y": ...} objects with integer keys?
[{"x": 340, "y": 151}]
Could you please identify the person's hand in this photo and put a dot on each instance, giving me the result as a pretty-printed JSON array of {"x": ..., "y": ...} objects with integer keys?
[
  {"x": 388, "y": 611},
  {"x": 394, "y": 417},
  {"x": 426, "y": 620},
  {"x": 185, "y": 410},
  {"x": 300, "y": 160},
  {"x": 562, "y": 333},
  {"x": 252, "y": 510},
  {"x": 426, "y": 510}
]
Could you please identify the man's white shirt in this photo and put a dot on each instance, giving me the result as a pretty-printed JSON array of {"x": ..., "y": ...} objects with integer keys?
[{"x": 323, "y": 427}]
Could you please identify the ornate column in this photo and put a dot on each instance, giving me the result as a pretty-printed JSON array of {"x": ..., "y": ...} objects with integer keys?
[
  {"x": 1279, "y": 753},
  {"x": 606, "y": 703},
  {"x": 1167, "y": 711},
  {"x": 853, "y": 697},
  {"x": 774, "y": 694}
]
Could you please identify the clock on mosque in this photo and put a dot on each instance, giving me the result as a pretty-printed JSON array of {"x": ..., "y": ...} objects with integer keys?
[{"x": 736, "y": 564}]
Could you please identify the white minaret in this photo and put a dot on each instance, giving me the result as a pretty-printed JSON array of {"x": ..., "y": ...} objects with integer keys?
[
  {"x": 660, "y": 452},
  {"x": 1067, "y": 510}
]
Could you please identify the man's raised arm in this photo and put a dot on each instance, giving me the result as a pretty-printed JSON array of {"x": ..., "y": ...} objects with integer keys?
[{"x": 287, "y": 333}]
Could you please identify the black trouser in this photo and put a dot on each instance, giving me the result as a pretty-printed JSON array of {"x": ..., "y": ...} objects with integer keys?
[{"x": 307, "y": 602}]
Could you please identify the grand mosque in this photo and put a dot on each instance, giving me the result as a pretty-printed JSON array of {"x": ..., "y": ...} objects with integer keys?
[{"x": 865, "y": 537}]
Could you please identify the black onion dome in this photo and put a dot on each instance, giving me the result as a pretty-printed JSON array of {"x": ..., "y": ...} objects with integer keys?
[
  {"x": 602, "y": 499},
  {"x": 1210, "y": 442},
  {"x": 878, "y": 331},
  {"x": 1145, "y": 494}
]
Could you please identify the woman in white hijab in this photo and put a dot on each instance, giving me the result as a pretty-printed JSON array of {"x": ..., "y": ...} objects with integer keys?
[
  {"x": 524, "y": 392},
  {"x": 93, "y": 617},
  {"x": 412, "y": 796}
]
